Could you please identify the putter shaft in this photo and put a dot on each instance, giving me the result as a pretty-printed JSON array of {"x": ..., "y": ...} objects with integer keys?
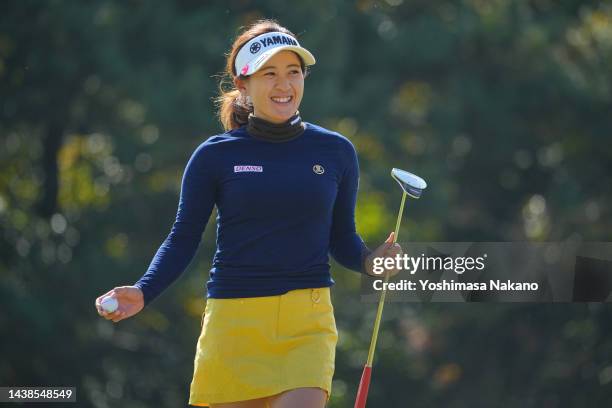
[{"x": 381, "y": 301}]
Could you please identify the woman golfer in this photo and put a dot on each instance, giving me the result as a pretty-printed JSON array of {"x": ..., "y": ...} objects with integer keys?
[{"x": 285, "y": 193}]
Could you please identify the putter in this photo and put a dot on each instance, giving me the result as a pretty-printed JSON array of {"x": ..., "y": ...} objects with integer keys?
[{"x": 412, "y": 185}]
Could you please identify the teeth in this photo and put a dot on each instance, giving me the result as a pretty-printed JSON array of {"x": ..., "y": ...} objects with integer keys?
[{"x": 282, "y": 100}]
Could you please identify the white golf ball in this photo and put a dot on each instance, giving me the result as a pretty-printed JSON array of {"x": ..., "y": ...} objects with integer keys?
[{"x": 109, "y": 304}]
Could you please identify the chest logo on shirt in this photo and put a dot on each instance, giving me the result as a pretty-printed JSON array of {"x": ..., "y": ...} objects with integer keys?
[
  {"x": 252, "y": 169},
  {"x": 318, "y": 169}
]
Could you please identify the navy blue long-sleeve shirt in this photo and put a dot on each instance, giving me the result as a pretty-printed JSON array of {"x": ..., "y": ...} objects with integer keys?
[{"x": 282, "y": 207}]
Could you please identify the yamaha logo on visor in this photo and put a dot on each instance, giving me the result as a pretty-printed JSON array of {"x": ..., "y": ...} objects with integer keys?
[
  {"x": 318, "y": 169},
  {"x": 255, "y": 52}
]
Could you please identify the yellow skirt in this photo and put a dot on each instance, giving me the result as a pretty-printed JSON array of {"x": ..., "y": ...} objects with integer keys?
[{"x": 261, "y": 346}]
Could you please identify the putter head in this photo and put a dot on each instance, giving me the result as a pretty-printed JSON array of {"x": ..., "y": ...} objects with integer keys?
[{"x": 412, "y": 184}]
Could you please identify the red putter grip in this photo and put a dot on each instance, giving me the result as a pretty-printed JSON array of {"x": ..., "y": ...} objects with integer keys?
[{"x": 364, "y": 385}]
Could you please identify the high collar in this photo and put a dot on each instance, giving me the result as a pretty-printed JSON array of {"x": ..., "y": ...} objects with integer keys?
[{"x": 276, "y": 132}]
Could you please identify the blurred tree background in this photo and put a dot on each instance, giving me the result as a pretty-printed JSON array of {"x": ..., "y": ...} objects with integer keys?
[{"x": 504, "y": 107}]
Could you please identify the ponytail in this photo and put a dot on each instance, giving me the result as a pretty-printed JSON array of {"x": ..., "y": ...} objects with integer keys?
[{"x": 233, "y": 111}]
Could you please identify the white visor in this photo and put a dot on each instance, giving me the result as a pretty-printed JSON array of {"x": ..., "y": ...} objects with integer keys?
[{"x": 254, "y": 54}]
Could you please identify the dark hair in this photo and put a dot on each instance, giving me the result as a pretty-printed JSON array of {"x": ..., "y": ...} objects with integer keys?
[{"x": 233, "y": 111}]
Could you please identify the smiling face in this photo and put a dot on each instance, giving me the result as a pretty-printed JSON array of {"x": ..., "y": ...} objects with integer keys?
[{"x": 276, "y": 89}]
